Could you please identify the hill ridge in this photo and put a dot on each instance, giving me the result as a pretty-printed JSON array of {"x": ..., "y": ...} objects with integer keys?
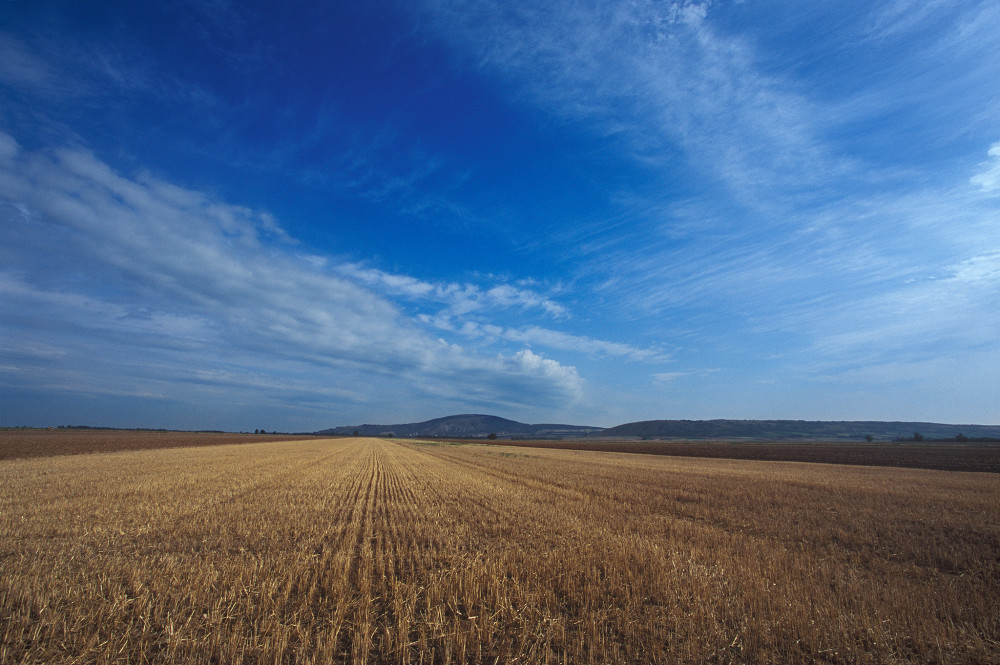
[
  {"x": 475, "y": 425},
  {"x": 777, "y": 429},
  {"x": 466, "y": 425}
]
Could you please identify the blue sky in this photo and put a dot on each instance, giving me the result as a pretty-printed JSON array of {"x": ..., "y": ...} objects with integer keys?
[{"x": 298, "y": 215}]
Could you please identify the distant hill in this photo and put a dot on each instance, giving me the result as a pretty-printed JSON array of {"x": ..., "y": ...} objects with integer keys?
[
  {"x": 471, "y": 426},
  {"x": 465, "y": 426},
  {"x": 791, "y": 430}
]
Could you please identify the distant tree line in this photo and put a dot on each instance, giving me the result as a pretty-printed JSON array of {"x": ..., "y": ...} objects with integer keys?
[{"x": 958, "y": 438}]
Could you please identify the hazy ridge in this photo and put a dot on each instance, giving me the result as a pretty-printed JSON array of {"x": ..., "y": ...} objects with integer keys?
[
  {"x": 466, "y": 426},
  {"x": 478, "y": 425}
]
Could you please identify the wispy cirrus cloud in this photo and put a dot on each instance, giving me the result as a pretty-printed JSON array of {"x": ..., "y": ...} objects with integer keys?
[
  {"x": 656, "y": 75},
  {"x": 554, "y": 339},
  {"x": 843, "y": 233},
  {"x": 182, "y": 279},
  {"x": 988, "y": 180},
  {"x": 460, "y": 299},
  {"x": 70, "y": 73},
  {"x": 670, "y": 377},
  {"x": 21, "y": 67},
  {"x": 664, "y": 74},
  {"x": 538, "y": 336},
  {"x": 956, "y": 310},
  {"x": 902, "y": 16}
]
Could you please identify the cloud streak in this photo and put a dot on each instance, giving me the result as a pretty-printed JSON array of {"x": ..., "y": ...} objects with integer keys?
[
  {"x": 460, "y": 299},
  {"x": 629, "y": 68},
  {"x": 988, "y": 180},
  {"x": 168, "y": 270}
]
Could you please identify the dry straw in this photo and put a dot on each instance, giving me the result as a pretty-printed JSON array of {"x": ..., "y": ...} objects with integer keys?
[{"x": 370, "y": 551}]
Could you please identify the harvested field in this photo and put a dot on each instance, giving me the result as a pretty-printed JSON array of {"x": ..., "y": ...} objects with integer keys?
[
  {"x": 941, "y": 456},
  {"x": 18, "y": 443},
  {"x": 372, "y": 551}
]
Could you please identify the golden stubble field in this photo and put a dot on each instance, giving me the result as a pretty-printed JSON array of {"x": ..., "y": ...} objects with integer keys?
[{"x": 364, "y": 550}]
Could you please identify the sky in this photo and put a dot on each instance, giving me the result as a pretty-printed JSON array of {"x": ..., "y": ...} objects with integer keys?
[{"x": 298, "y": 215}]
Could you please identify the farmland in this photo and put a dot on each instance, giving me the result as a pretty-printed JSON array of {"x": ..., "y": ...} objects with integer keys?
[
  {"x": 19, "y": 443},
  {"x": 370, "y": 551},
  {"x": 941, "y": 456}
]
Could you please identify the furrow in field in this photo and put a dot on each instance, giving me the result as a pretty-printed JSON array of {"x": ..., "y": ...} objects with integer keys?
[
  {"x": 396, "y": 583},
  {"x": 337, "y": 600}
]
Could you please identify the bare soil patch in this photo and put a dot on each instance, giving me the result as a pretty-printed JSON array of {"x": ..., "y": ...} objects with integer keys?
[
  {"x": 21, "y": 443},
  {"x": 941, "y": 456}
]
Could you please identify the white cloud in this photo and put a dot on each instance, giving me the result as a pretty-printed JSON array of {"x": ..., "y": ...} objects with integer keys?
[
  {"x": 952, "y": 314},
  {"x": 460, "y": 299},
  {"x": 988, "y": 180},
  {"x": 982, "y": 270},
  {"x": 532, "y": 364},
  {"x": 20, "y": 67},
  {"x": 555, "y": 339},
  {"x": 8, "y": 146},
  {"x": 656, "y": 75},
  {"x": 901, "y": 16},
  {"x": 670, "y": 377},
  {"x": 545, "y": 337},
  {"x": 141, "y": 266}
]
